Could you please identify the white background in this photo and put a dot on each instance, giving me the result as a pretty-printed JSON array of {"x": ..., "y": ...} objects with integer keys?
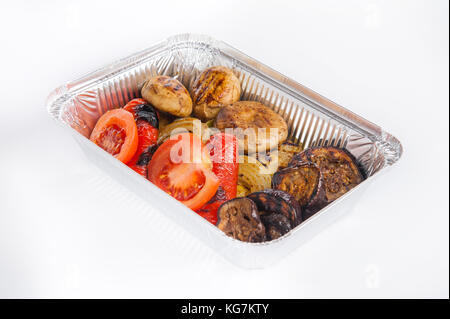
[{"x": 68, "y": 230}]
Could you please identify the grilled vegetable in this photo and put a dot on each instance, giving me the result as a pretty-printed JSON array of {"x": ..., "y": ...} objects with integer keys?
[
  {"x": 142, "y": 110},
  {"x": 258, "y": 128},
  {"x": 242, "y": 191},
  {"x": 269, "y": 160},
  {"x": 168, "y": 95},
  {"x": 139, "y": 162},
  {"x": 223, "y": 150},
  {"x": 304, "y": 182},
  {"x": 239, "y": 218},
  {"x": 338, "y": 167},
  {"x": 271, "y": 201},
  {"x": 210, "y": 123},
  {"x": 181, "y": 167},
  {"x": 276, "y": 225},
  {"x": 186, "y": 124},
  {"x": 147, "y": 125},
  {"x": 285, "y": 153},
  {"x": 117, "y": 134},
  {"x": 165, "y": 119},
  {"x": 215, "y": 88},
  {"x": 253, "y": 175},
  {"x": 278, "y": 158}
]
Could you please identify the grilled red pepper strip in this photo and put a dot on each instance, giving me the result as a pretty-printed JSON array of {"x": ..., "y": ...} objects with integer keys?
[
  {"x": 146, "y": 119},
  {"x": 224, "y": 155}
]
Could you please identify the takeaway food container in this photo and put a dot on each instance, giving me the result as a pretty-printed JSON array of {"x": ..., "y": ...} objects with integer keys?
[{"x": 312, "y": 120}]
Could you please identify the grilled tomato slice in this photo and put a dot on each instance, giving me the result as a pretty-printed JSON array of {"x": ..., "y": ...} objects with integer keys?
[
  {"x": 116, "y": 133},
  {"x": 181, "y": 167}
]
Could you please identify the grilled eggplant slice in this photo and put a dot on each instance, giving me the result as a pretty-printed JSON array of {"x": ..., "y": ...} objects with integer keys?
[
  {"x": 276, "y": 225},
  {"x": 305, "y": 183},
  {"x": 271, "y": 201},
  {"x": 215, "y": 88},
  {"x": 239, "y": 218},
  {"x": 257, "y": 127},
  {"x": 338, "y": 167}
]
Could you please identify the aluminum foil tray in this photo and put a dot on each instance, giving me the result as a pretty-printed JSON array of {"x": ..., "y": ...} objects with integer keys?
[{"x": 312, "y": 120}]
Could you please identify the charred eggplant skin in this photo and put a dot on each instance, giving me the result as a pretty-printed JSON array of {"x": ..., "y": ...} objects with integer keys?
[
  {"x": 276, "y": 201},
  {"x": 276, "y": 225},
  {"x": 305, "y": 183},
  {"x": 147, "y": 113},
  {"x": 339, "y": 169},
  {"x": 239, "y": 218}
]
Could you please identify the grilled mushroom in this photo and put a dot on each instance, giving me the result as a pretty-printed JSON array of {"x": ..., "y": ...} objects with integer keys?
[
  {"x": 239, "y": 218},
  {"x": 215, "y": 88},
  {"x": 258, "y": 128},
  {"x": 168, "y": 95}
]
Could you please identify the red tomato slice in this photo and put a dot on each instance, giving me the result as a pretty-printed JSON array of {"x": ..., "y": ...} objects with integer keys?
[
  {"x": 181, "y": 167},
  {"x": 116, "y": 133}
]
